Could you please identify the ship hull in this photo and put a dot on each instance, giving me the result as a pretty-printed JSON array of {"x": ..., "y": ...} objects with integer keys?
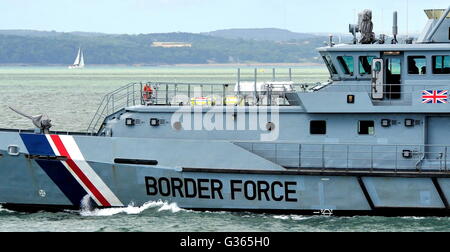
[
  {"x": 56, "y": 172},
  {"x": 75, "y": 67}
]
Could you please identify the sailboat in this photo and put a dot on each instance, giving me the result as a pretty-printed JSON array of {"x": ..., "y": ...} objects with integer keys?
[{"x": 79, "y": 61}]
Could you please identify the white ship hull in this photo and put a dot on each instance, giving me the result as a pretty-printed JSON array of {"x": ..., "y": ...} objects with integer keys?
[{"x": 75, "y": 67}]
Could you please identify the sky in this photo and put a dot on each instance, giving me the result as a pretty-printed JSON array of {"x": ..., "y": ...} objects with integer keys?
[{"x": 154, "y": 16}]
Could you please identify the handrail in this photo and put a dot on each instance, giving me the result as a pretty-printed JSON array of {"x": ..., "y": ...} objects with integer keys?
[
  {"x": 114, "y": 101},
  {"x": 353, "y": 156},
  {"x": 166, "y": 92}
]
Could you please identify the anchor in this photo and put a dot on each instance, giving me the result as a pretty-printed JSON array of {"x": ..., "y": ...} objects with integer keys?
[{"x": 42, "y": 122}]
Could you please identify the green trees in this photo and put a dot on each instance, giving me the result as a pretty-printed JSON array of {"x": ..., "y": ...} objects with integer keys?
[{"x": 61, "y": 48}]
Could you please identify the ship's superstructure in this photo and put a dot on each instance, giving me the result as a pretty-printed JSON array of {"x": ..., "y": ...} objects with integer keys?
[{"x": 371, "y": 140}]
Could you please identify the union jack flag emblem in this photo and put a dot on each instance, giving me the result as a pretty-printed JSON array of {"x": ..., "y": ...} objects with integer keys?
[{"x": 435, "y": 96}]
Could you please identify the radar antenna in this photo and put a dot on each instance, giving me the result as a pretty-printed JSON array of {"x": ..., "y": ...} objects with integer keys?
[
  {"x": 41, "y": 122},
  {"x": 366, "y": 27}
]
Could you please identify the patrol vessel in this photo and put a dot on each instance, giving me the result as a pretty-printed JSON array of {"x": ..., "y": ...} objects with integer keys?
[{"x": 373, "y": 140}]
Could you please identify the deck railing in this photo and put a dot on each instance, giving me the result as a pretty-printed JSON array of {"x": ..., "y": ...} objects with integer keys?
[
  {"x": 354, "y": 156},
  {"x": 189, "y": 94},
  {"x": 128, "y": 95}
]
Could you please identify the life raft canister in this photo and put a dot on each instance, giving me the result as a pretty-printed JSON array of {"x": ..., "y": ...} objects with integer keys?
[
  {"x": 148, "y": 92},
  {"x": 202, "y": 101},
  {"x": 233, "y": 101}
]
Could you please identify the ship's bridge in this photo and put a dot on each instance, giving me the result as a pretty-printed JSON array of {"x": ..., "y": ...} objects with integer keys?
[
  {"x": 411, "y": 61},
  {"x": 368, "y": 78},
  {"x": 383, "y": 75}
]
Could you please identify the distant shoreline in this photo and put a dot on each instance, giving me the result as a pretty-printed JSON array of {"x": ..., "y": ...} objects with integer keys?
[
  {"x": 250, "y": 64},
  {"x": 176, "y": 65}
]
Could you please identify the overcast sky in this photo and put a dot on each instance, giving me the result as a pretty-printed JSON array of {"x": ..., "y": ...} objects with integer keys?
[{"x": 150, "y": 16}]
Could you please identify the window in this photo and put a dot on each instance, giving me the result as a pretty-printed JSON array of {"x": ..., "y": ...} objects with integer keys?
[
  {"x": 441, "y": 64},
  {"x": 329, "y": 64},
  {"x": 347, "y": 64},
  {"x": 318, "y": 128},
  {"x": 393, "y": 86},
  {"x": 394, "y": 67},
  {"x": 365, "y": 64},
  {"x": 417, "y": 65},
  {"x": 377, "y": 66},
  {"x": 366, "y": 128}
]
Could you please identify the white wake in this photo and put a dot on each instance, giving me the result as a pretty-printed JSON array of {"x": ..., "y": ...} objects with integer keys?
[
  {"x": 292, "y": 217},
  {"x": 5, "y": 210},
  {"x": 88, "y": 211}
]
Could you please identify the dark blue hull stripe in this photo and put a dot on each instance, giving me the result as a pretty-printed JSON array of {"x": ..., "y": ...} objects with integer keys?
[
  {"x": 37, "y": 144},
  {"x": 58, "y": 173}
]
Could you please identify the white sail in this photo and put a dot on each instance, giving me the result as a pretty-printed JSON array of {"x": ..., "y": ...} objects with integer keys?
[
  {"x": 77, "y": 60},
  {"x": 81, "y": 60}
]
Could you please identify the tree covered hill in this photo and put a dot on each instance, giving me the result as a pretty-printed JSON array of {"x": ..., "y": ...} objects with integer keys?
[
  {"x": 267, "y": 34},
  {"x": 35, "y": 47}
]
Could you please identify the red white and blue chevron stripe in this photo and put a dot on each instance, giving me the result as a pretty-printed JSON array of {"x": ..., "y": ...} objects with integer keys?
[
  {"x": 435, "y": 96},
  {"x": 74, "y": 176}
]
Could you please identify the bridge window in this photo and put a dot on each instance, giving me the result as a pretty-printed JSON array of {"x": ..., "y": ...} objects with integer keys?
[
  {"x": 393, "y": 86},
  {"x": 329, "y": 63},
  {"x": 417, "y": 65},
  {"x": 441, "y": 64},
  {"x": 366, "y": 128},
  {"x": 318, "y": 127},
  {"x": 347, "y": 64},
  {"x": 365, "y": 64}
]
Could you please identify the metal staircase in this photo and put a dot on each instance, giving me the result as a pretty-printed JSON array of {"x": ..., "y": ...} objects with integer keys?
[{"x": 129, "y": 95}]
